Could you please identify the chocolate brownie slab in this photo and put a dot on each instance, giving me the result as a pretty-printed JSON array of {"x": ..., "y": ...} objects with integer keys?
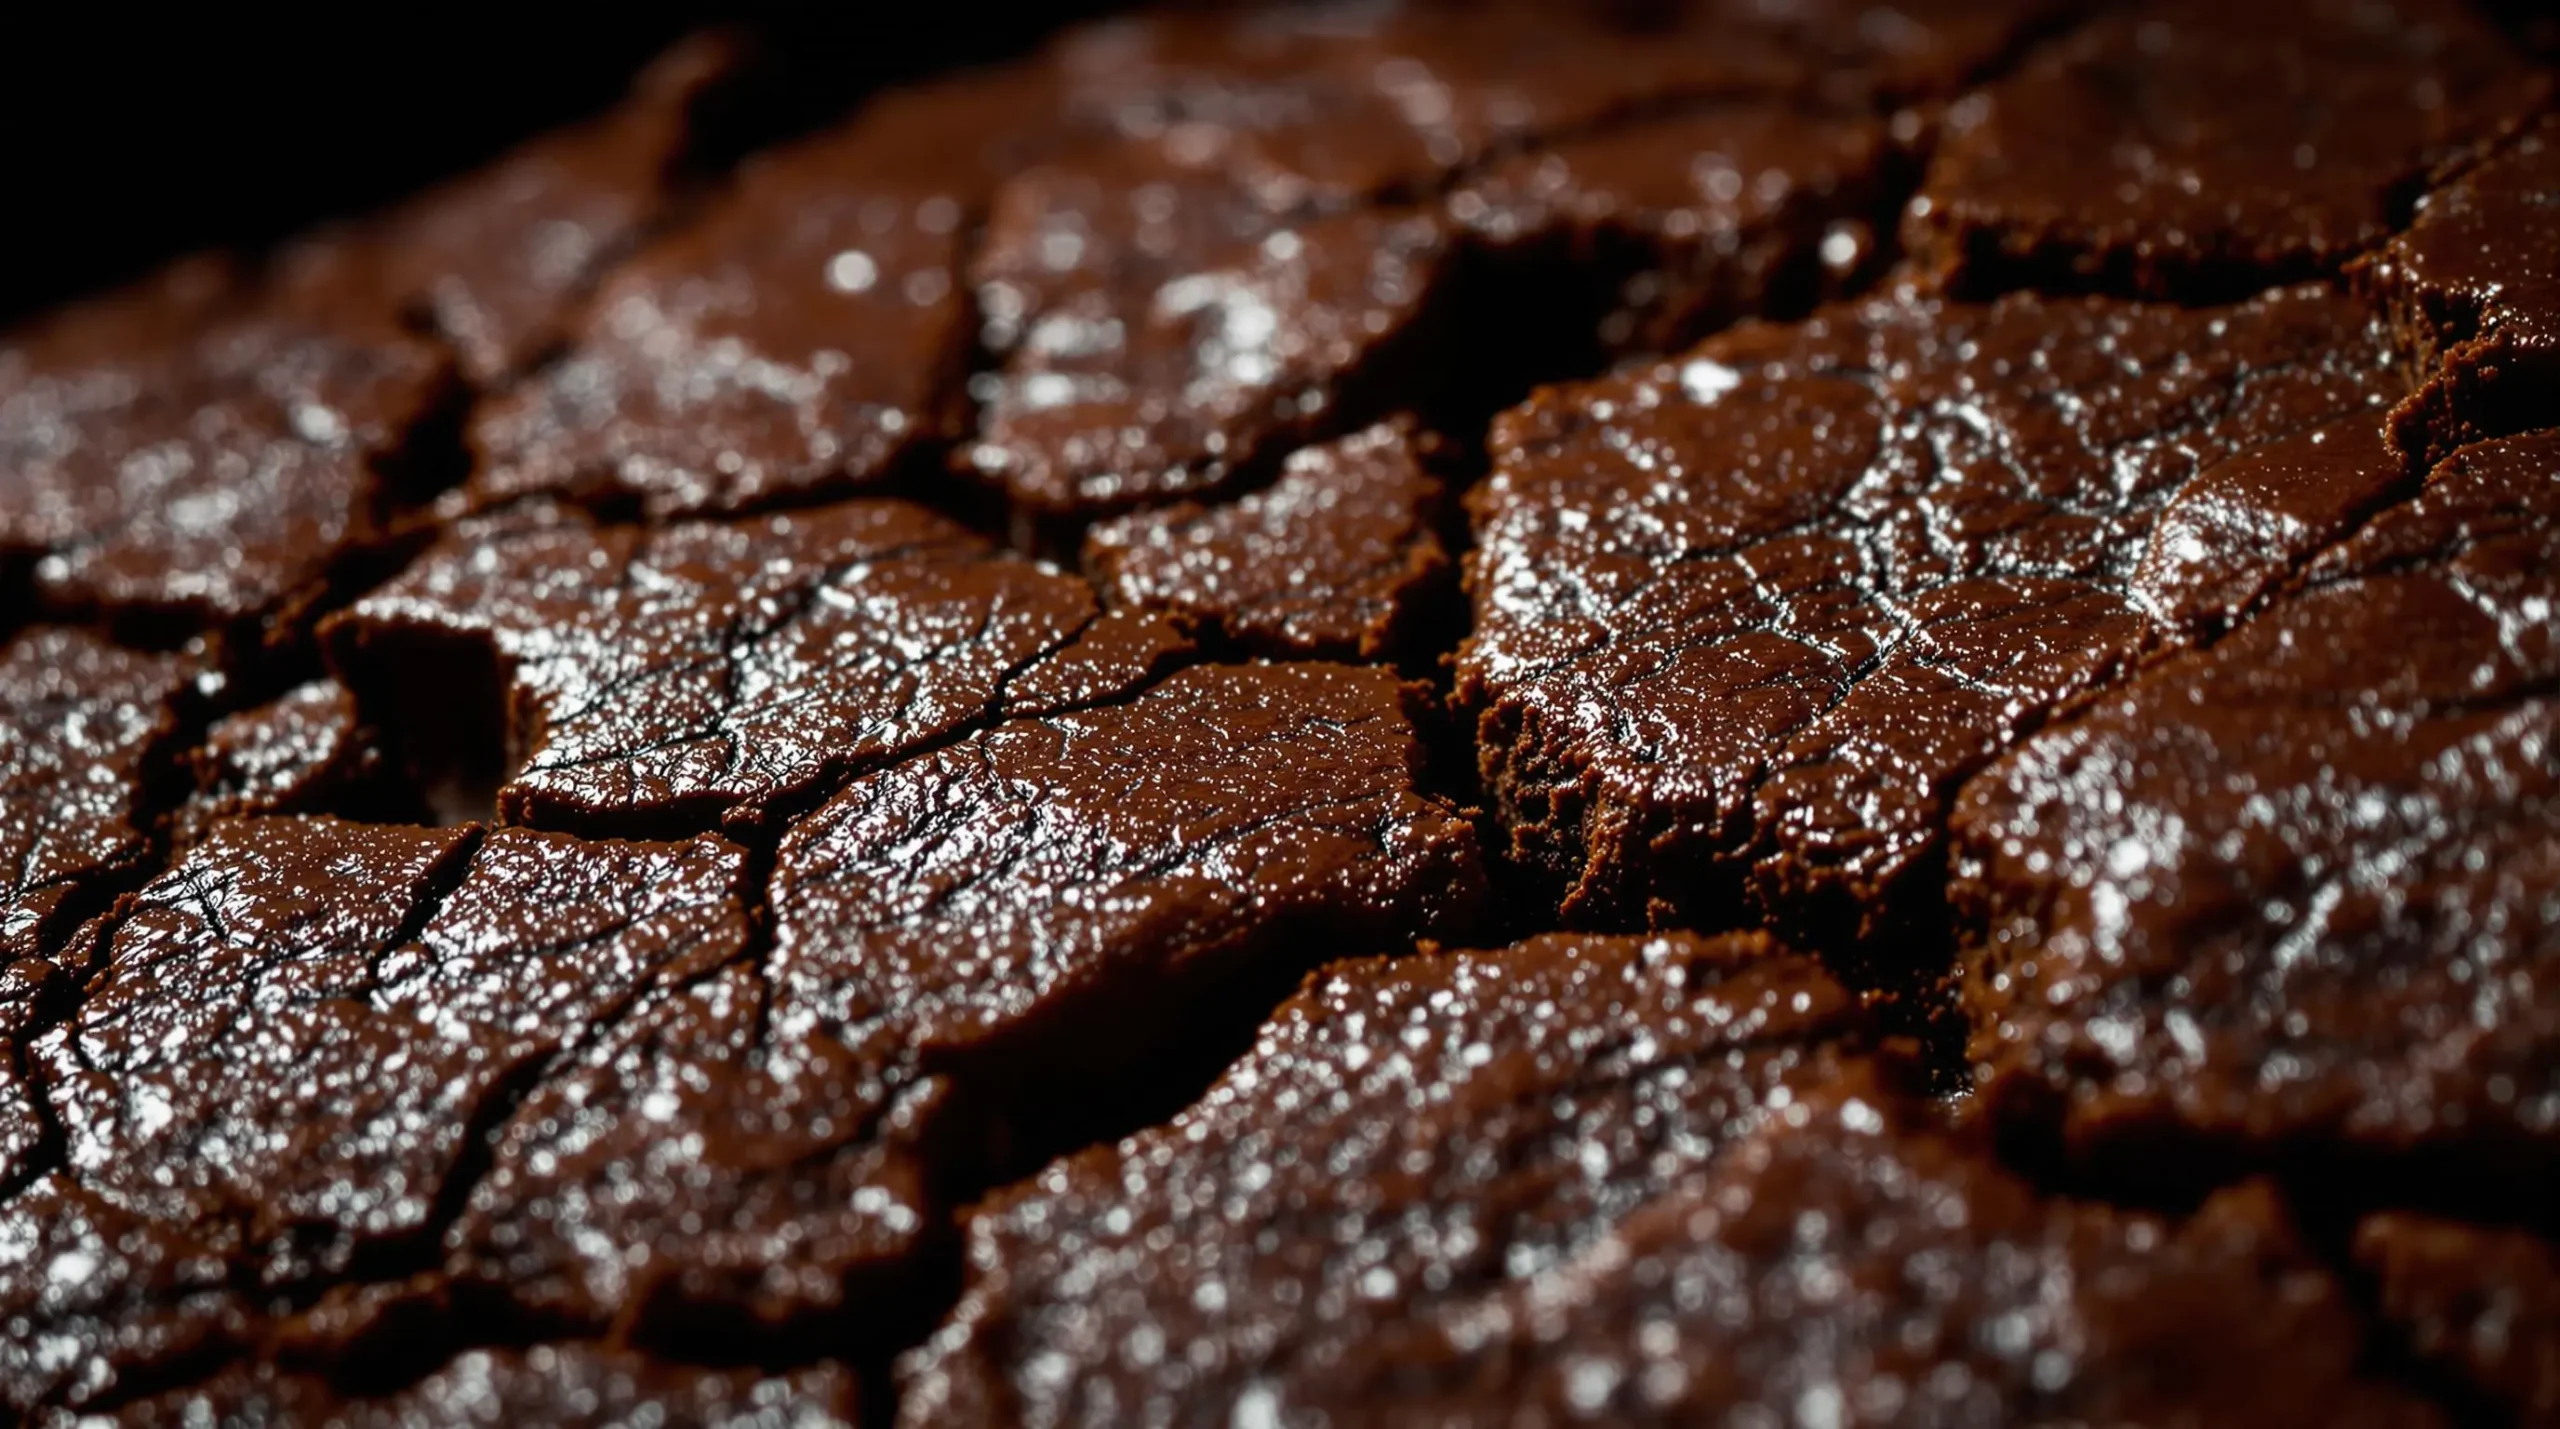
[
  {"x": 1744, "y": 620},
  {"x": 2476, "y": 299},
  {"x": 1666, "y": 230},
  {"x": 306, "y": 751},
  {"x": 1407, "y": 1136},
  {"x": 2185, "y": 148},
  {"x": 84, "y": 726},
  {"x": 2477, "y": 1303},
  {"x": 668, "y": 678},
  {"x": 296, "y": 1039},
  {"x": 218, "y": 467},
  {"x": 1842, "y": 1266},
  {"x": 1339, "y": 559},
  {"x": 493, "y": 262},
  {"x": 2295, "y": 893},
  {"x": 576, "y": 1386},
  {"x": 979, "y": 952},
  {"x": 804, "y": 336}
]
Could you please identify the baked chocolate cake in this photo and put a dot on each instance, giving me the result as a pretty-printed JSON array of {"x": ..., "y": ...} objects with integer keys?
[{"x": 1323, "y": 714}]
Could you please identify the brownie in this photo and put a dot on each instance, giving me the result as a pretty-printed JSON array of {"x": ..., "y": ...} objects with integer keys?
[
  {"x": 2187, "y": 147},
  {"x": 666, "y": 678},
  {"x": 1187, "y": 338},
  {"x": 220, "y": 463},
  {"x": 33, "y": 994},
  {"x": 1406, "y": 1137},
  {"x": 581, "y": 1385},
  {"x": 2475, "y": 302},
  {"x": 1339, "y": 559},
  {"x": 494, "y": 261},
  {"x": 306, "y": 751},
  {"x": 2477, "y": 1303},
  {"x": 1745, "y": 619},
  {"x": 84, "y": 727},
  {"x": 806, "y": 335},
  {"x": 1843, "y": 1266},
  {"x": 1666, "y": 230},
  {"x": 2294, "y": 895},
  {"x": 283, "y": 1069},
  {"x": 952, "y": 934}
]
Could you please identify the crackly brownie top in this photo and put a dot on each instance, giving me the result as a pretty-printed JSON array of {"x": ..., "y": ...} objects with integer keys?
[
  {"x": 2184, "y": 146},
  {"x": 1779, "y": 595},
  {"x": 293, "y": 1039},
  {"x": 1843, "y": 1265},
  {"x": 217, "y": 462},
  {"x": 81, "y": 723},
  {"x": 679, "y": 674},
  {"x": 2296, "y": 888},
  {"x": 1339, "y": 558},
  {"x": 803, "y": 335},
  {"x": 577, "y": 1386},
  {"x": 1407, "y": 1136}
]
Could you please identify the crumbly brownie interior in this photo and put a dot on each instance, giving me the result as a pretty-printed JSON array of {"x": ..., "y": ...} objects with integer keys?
[{"x": 1322, "y": 715}]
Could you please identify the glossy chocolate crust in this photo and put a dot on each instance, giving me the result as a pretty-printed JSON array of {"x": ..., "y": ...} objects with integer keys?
[{"x": 1319, "y": 714}]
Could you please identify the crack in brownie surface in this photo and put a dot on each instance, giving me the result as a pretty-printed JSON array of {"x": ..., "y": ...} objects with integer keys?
[
  {"x": 1745, "y": 619},
  {"x": 954, "y": 935},
  {"x": 2186, "y": 147},
  {"x": 2477, "y": 302},
  {"x": 1406, "y": 1136},
  {"x": 663, "y": 678},
  {"x": 1847, "y": 1264},
  {"x": 293, "y": 1044},
  {"x": 2477, "y": 1302},
  {"x": 1339, "y": 559},
  {"x": 2295, "y": 892},
  {"x": 81, "y": 724}
]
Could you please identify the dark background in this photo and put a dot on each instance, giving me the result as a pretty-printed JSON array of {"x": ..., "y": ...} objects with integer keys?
[{"x": 129, "y": 135}]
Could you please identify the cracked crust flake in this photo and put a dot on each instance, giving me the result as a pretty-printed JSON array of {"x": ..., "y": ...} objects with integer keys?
[
  {"x": 670, "y": 678},
  {"x": 82, "y": 724},
  {"x": 2186, "y": 148},
  {"x": 2294, "y": 893},
  {"x": 1339, "y": 559},
  {"x": 1408, "y": 1136},
  {"x": 296, "y": 1041},
  {"x": 1745, "y": 619},
  {"x": 1848, "y": 1263}
]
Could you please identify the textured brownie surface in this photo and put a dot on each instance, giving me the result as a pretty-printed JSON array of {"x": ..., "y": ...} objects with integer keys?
[
  {"x": 2184, "y": 146},
  {"x": 1310, "y": 714},
  {"x": 1339, "y": 559},
  {"x": 1744, "y": 620},
  {"x": 1406, "y": 1137},
  {"x": 2246, "y": 897},
  {"x": 2477, "y": 307}
]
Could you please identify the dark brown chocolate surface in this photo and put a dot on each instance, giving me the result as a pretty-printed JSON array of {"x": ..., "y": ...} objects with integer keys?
[
  {"x": 2296, "y": 890},
  {"x": 1339, "y": 559},
  {"x": 573, "y": 1386},
  {"x": 1407, "y": 1137},
  {"x": 805, "y": 335},
  {"x": 2477, "y": 301},
  {"x": 671, "y": 677},
  {"x": 295, "y": 1037},
  {"x": 1837, "y": 1268},
  {"x": 1745, "y": 619},
  {"x": 2179, "y": 147},
  {"x": 216, "y": 464},
  {"x": 2480, "y": 1304},
  {"x": 85, "y": 723},
  {"x": 306, "y": 751},
  {"x": 1681, "y": 226},
  {"x": 2030, "y": 572}
]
